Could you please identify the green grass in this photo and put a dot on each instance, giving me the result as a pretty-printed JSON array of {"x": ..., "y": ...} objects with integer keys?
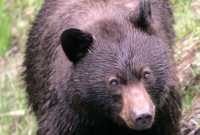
[
  {"x": 188, "y": 38},
  {"x": 5, "y": 29},
  {"x": 186, "y": 21},
  {"x": 15, "y": 116},
  {"x": 16, "y": 16}
]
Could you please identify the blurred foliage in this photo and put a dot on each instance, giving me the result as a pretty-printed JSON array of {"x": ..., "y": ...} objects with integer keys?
[
  {"x": 14, "y": 117},
  {"x": 187, "y": 22},
  {"x": 5, "y": 28},
  {"x": 187, "y": 49},
  {"x": 16, "y": 17}
]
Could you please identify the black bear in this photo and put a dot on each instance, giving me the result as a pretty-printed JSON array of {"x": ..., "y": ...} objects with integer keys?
[{"x": 103, "y": 67}]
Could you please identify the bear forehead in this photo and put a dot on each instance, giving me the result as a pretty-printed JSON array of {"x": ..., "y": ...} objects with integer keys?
[
  {"x": 100, "y": 13},
  {"x": 129, "y": 54},
  {"x": 110, "y": 30},
  {"x": 129, "y": 4}
]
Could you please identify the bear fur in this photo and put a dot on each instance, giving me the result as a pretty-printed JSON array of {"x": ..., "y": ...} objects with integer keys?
[{"x": 75, "y": 45}]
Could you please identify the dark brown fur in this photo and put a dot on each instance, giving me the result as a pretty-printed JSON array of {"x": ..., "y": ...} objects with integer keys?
[{"x": 58, "y": 89}]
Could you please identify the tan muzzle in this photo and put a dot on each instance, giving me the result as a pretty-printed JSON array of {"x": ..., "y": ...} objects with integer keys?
[{"x": 138, "y": 110}]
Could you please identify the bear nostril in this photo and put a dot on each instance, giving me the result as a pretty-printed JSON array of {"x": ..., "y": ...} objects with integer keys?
[{"x": 143, "y": 121}]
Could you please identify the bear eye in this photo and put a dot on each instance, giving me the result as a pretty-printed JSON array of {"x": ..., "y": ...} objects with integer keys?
[
  {"x": 114, "y": 81},
  {"x": 147, "y": 73}
]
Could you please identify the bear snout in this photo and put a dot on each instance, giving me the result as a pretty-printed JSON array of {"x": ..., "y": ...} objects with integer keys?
[
  {"x": 141, "y": 120},
  {"x": 138, "y": 110}
]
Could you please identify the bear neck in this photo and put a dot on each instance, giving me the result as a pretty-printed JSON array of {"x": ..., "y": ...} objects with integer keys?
[{"x": 87, "y": 125}]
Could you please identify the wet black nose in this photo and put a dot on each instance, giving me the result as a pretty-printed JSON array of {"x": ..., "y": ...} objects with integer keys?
[{"x": 143, "y": 121}]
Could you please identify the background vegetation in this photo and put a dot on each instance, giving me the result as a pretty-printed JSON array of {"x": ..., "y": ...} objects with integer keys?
[{"x": 15, "y": 19}]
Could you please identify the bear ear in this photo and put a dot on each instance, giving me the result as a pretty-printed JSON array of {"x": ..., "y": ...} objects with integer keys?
[
  {"x": 142, "y": 16},
  {"x": 75, "y": 44}
]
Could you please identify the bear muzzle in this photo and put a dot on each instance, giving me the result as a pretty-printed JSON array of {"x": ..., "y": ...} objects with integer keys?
[{"x": 138, "y": 110}]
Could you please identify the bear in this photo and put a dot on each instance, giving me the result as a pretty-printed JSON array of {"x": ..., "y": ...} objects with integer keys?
[{"x": 103, "y": 67}]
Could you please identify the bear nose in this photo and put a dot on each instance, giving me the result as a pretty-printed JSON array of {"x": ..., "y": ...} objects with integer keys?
[{"x": 143, "y": 121}]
